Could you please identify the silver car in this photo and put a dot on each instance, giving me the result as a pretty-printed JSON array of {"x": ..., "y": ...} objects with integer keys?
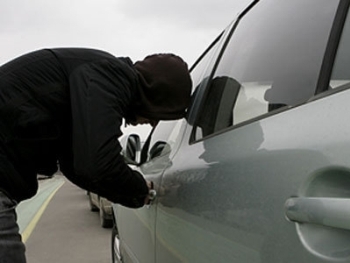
[
  {"x": 104, "y": 207},
  {"x": 259, "y": 170}
]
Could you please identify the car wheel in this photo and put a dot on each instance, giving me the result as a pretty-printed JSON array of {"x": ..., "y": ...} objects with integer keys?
[
  {"x": 105, "y": 222},
  {"x": 93, "y": 207},
  {"x": 116, "y": 255}
]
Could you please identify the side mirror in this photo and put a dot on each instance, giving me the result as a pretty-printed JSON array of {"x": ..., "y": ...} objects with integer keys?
[
  {"x": 159, "y": 148},
  {"x": 132, "y": 150}
]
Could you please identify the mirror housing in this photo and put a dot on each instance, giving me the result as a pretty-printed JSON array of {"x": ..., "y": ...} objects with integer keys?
[
  {"x": 158, "y": 149},
  {"x": 132, "y": 150}
]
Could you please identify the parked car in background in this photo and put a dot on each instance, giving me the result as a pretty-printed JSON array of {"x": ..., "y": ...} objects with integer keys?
[
  {"x": 104, "y": 207},
  {"x": 259, "y": 170}
]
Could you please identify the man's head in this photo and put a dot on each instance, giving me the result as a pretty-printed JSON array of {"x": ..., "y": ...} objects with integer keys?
[{"x": 165, "y": 88}]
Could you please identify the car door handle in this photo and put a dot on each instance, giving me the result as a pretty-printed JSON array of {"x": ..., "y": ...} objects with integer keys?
[
  {"x": 326, "y": 211},
  {"x": 152, "y": 194}
]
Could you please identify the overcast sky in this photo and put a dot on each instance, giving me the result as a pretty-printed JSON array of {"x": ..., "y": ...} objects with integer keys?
[{"x": 133, "y": 28}]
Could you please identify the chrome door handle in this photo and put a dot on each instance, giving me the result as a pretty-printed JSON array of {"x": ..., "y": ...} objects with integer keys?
[
  {"x": 326, "y": 211},
  {"x": 152, "y": 194}
]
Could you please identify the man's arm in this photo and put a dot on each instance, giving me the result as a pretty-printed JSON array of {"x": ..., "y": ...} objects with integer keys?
[{"x": 100, "y": 95}]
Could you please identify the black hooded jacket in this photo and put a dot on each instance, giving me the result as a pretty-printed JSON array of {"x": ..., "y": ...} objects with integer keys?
[{"x": 67, "y": 105}]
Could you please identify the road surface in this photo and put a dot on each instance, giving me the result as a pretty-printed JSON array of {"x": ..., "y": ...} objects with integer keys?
[{"x": 57, "y": 226}]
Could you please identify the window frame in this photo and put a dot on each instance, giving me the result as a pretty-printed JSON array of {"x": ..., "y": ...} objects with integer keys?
[
  {"x": 199, "y": 91},
  {"x": 332, "y": 47}
]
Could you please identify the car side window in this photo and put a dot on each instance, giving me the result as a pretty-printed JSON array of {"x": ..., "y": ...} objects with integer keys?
[
  {"x": 162, "y": 139},
  {"x": 200, "y": 70},
  {"x": 341, "y": 74},
  {"x": 272, "y": 61}
]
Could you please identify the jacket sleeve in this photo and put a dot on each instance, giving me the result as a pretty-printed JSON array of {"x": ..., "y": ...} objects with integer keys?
[{"x": 100, "y": 94}]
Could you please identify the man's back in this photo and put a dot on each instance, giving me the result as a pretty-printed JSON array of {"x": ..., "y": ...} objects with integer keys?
[{"x": 35, "y": 114}]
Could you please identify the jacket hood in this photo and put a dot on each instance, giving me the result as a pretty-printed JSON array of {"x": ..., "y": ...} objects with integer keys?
[{"x": 165, "y": 87}]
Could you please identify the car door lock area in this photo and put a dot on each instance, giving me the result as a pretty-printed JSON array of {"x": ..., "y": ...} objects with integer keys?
[{"x": 322, "y": 213}]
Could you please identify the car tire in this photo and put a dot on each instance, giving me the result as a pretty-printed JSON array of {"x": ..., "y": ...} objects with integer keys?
[
  {"x": 105, "y": 222},
  {"x": 93, "y": 207},
  {"x": 116, "y": 255}
]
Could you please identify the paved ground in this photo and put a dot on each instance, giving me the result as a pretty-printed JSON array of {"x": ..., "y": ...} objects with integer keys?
[{"x": 68, "y": 232}]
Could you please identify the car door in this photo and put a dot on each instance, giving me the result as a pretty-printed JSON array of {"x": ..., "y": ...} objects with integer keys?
[
  {"x": 262, "y": 173},
  {"x": 137, "y": 226}
]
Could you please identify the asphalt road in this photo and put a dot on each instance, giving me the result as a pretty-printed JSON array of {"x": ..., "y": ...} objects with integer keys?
[{"x": 66, "y": 231}]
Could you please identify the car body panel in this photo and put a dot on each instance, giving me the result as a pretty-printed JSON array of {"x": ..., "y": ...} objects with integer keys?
[
  {"x": 134, "y": 224},
  {"x": 143, "y": 221},
  {"x": 274, "y": 159}
]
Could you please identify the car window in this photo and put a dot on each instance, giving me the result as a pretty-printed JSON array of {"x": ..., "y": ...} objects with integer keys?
[
  {"x": 201, "y": 66},
  {"x": 341, "y": 73},
  {"x": 201, "y": 71},
  {"x": 272, "y": 61},
  {"x": 162, "y": 139}
]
